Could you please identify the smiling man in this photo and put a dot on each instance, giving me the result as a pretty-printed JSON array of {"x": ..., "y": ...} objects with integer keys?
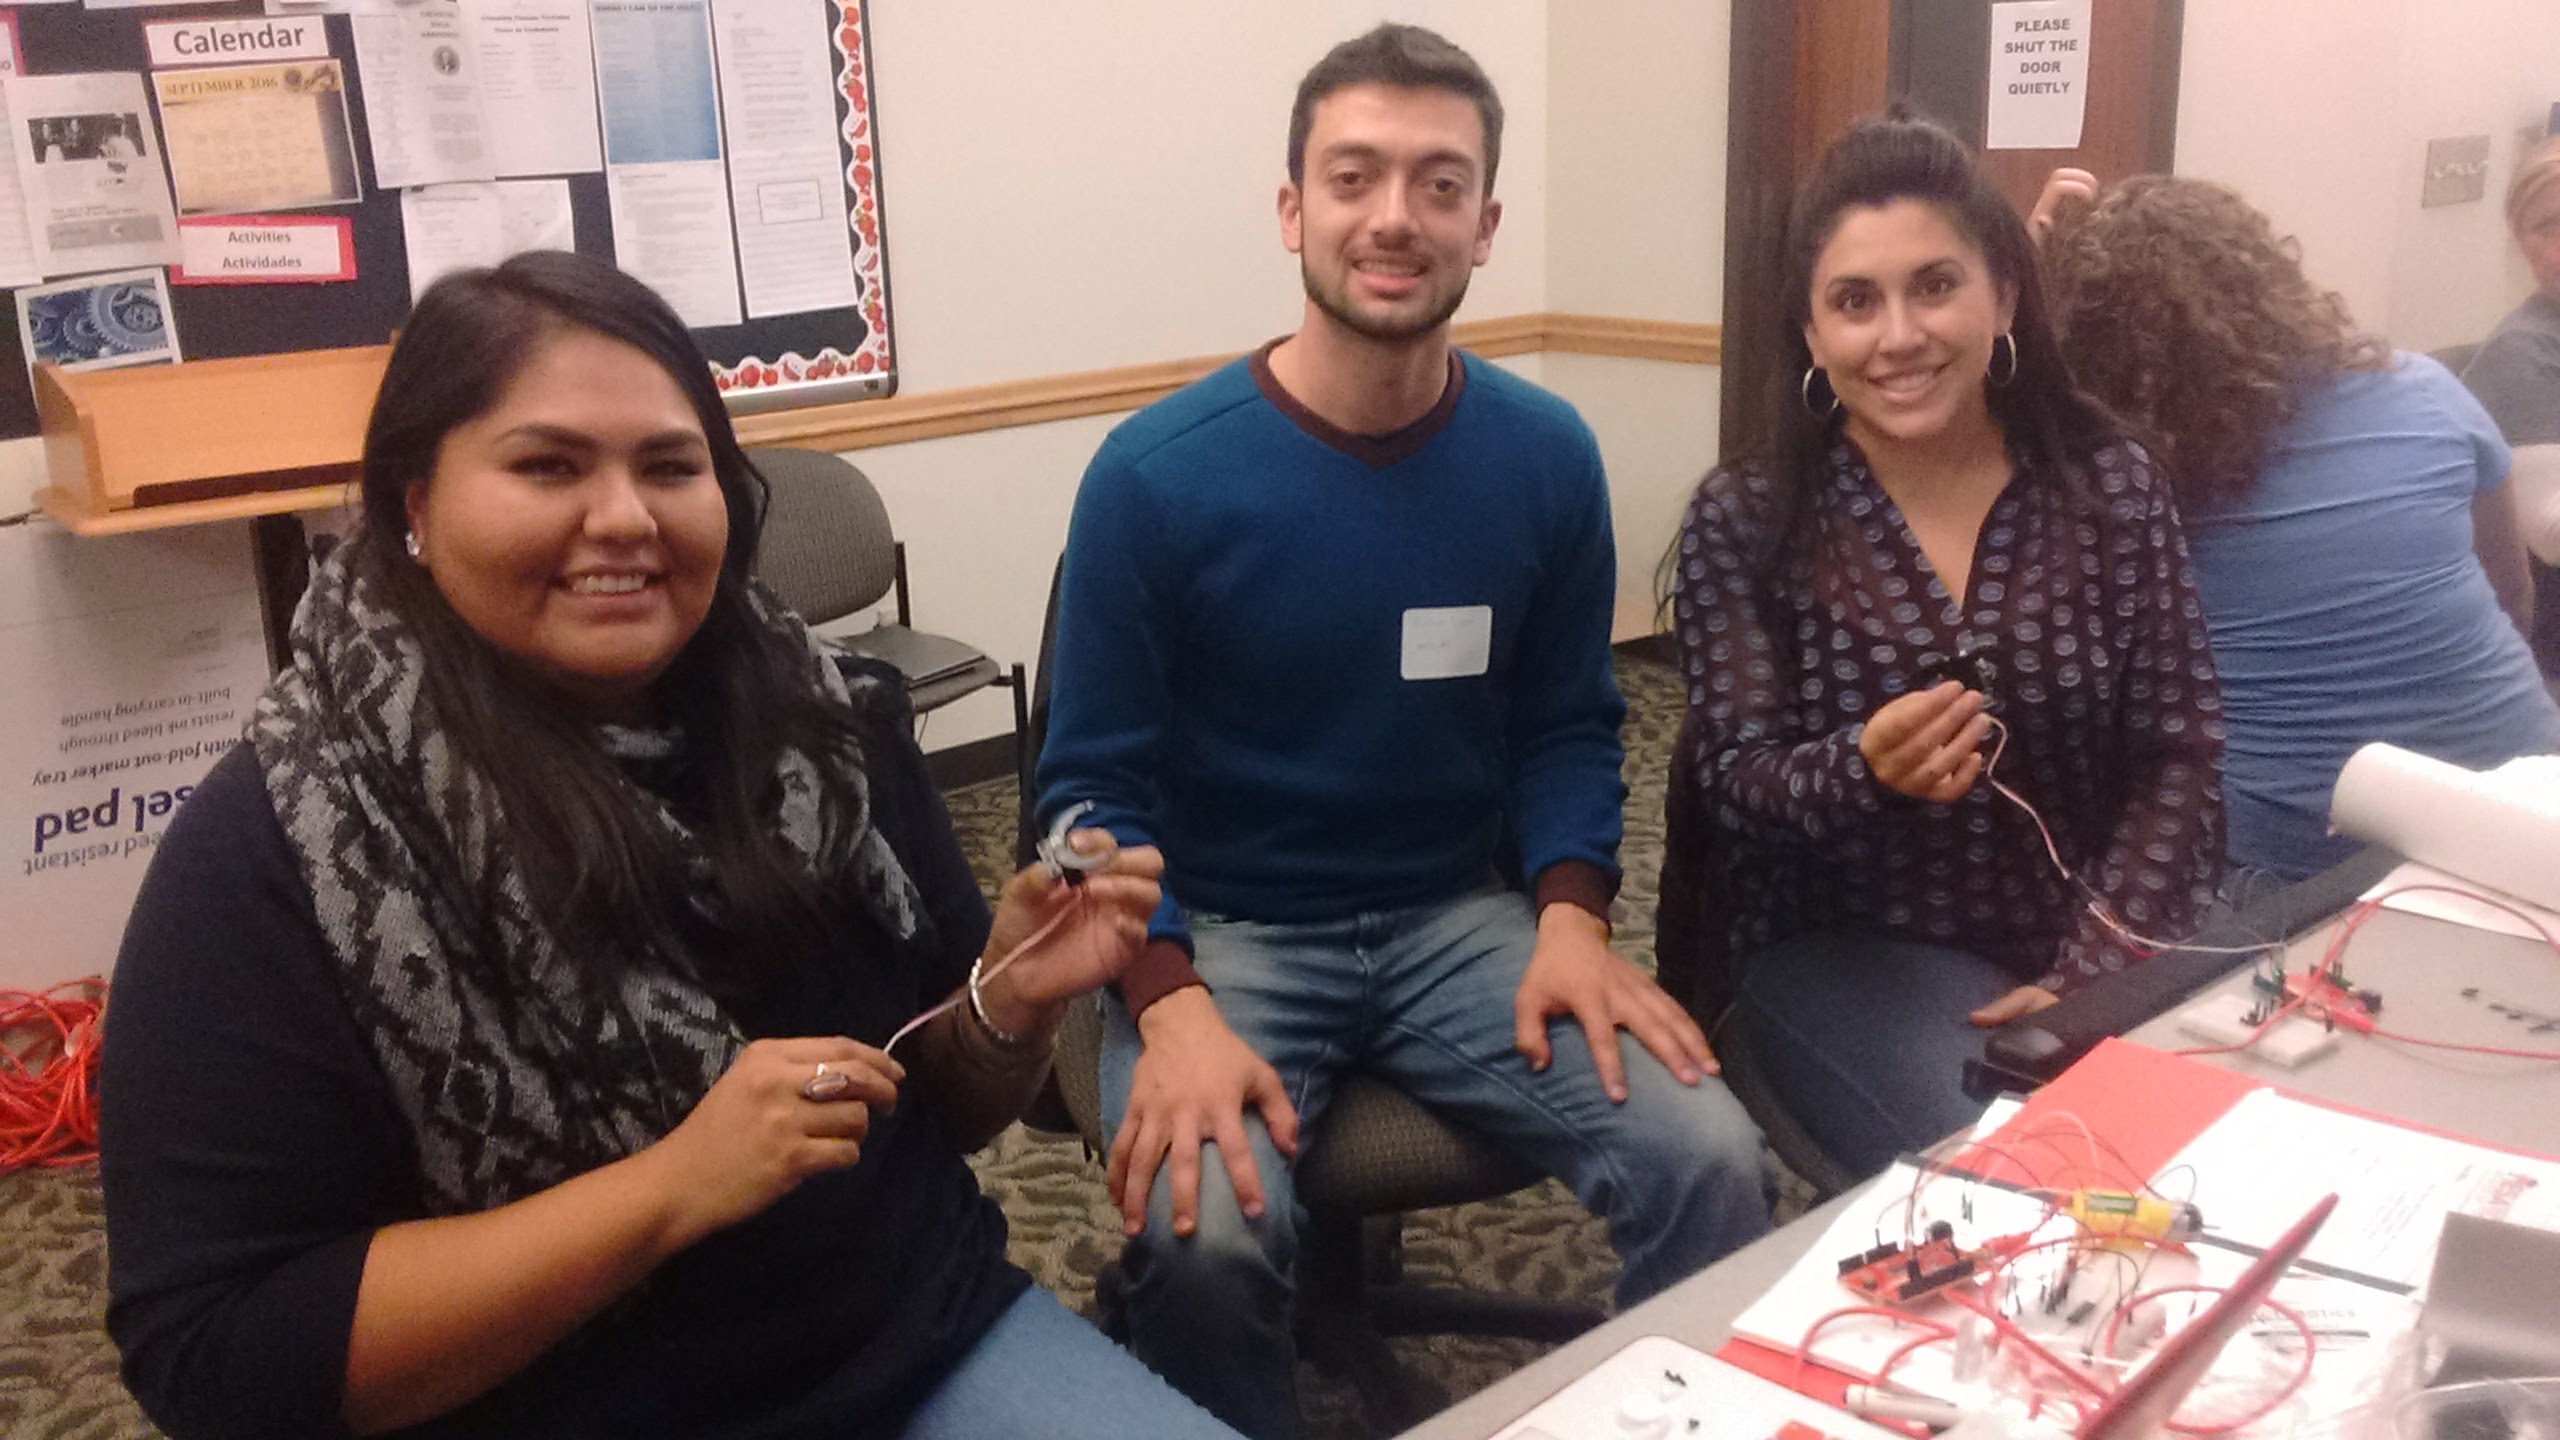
[{"x": 1333, "y": 632}]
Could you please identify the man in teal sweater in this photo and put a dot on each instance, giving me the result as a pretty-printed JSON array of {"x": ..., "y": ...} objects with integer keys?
[{"x": 1333, "y": 631}]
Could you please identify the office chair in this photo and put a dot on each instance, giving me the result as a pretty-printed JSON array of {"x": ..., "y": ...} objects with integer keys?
[
  {"x": 1694, "y": 965},
  {"x": 829, "y": 554},
  {"x": 1376, "y": 1154}
]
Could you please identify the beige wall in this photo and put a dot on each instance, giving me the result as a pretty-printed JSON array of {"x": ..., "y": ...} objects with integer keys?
[
  {"x": 1635, "y": 143},
  {"x": 1157, "y": 239},
  {"x": 1070, "y": 189},
  {"x": 1635, "y": 229},
  {"x": 2320, "y": 110}
]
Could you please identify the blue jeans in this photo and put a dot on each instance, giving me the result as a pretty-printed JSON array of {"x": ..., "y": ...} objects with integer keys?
[
  {"x": 1042, "y": 1370},
  {"x": 1864, "y": 1038},
  {"x": 1420, "y": 998}
]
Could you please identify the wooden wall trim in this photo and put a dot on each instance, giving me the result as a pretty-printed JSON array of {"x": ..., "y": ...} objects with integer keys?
[
  {"x": 934, "y": 415},
  {"x": 1673, "y": 340}
]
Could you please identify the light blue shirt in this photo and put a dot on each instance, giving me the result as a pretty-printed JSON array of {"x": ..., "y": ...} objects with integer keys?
[{"x": 2347, "y": 606}]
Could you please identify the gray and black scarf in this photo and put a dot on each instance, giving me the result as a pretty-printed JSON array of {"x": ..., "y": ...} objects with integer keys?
[{"x": 514, "y": 1069}]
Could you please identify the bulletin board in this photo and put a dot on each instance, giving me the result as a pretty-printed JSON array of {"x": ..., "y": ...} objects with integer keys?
[{"x": 842, "y": 351}]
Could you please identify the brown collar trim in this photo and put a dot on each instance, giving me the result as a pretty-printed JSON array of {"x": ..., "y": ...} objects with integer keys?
[{"x": 1375, "y": 451}]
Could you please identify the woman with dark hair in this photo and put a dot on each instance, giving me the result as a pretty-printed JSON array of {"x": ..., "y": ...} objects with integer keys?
[
  {"x": 1944, "y": 574},
  {"x": 2355, "y": 540},
  {"x": 502, "y": 1036}
]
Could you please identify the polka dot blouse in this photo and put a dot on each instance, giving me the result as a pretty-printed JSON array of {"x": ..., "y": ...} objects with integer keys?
[{"x": 2086, "y": 613}]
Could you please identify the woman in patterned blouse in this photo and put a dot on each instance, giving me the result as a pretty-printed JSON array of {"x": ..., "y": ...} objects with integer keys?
[{"x": 1935, "y": 500}]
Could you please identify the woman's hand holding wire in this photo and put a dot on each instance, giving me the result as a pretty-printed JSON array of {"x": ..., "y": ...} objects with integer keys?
[
  {"x": 1928, "y": 744},
  {"x": 1054, "y": 940},
  {"x": 771, "y": 1121}
]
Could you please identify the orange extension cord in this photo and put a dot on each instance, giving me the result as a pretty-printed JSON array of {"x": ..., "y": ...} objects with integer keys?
[{"x": 49, "y": 1074}]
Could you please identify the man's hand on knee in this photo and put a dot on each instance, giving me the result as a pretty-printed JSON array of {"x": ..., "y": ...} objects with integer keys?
[
  {"x": 1574, "y": 972},
  {"x": 1193, "y": 1080}
]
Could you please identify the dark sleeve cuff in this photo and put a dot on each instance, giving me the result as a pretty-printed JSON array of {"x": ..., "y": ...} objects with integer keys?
[
  {"x": 1160, "y": 969},
  {"x": 1578, "y": 883}
]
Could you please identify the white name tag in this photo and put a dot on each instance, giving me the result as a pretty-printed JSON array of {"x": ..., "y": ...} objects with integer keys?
[{"x": 1446, "y": 642}]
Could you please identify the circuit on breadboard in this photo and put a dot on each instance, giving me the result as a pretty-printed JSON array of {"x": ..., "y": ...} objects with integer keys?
[{"x": 1897, "y": 1274}]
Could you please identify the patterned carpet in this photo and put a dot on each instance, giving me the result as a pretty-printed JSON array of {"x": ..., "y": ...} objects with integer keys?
[{"x": 58, "y": 1373}]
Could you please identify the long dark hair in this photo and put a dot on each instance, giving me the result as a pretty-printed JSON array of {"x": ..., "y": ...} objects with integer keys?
[
  {"x": 2049, "y": 424},
  {"x": 602, "y": 872}
]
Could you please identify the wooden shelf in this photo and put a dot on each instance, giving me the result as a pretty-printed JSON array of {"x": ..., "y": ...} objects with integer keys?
[
  {"x": 205, "y": 440},
  {"x": 66, "y": 508}
]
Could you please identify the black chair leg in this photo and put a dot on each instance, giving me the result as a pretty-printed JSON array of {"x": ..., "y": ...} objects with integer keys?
[
  {"x": 1336, "y": 1331},
  {"x": 1025, "y": 756}
]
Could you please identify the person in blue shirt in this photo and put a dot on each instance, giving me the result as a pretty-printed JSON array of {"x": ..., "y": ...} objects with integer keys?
[
  {"x": 2355, "y": 544},
  {"x": 1333, "y": 633}
]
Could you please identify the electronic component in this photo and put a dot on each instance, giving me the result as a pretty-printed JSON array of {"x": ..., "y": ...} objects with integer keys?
[
  {"x": 1894, "y": 1274},
  {"x": 1059, "y": 856},
  {"x": 2115, "y": 1214},
  {"x": 1970, "y": 667},
  {"x": 2329, "y": 999},
  {"x": 2224, "y": 1018}
]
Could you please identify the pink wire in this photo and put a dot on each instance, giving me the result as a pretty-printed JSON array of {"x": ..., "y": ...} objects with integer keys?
[
  {"x": 2096, "y": 903},
  {"x": 987, "y": 974}
]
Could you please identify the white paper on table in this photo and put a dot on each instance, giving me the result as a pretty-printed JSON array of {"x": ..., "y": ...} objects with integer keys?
[
  {"x": 421, "y": 95},
  {"x": 535, "y": 215},
  {"x": 654, "y": 82},
  {"x": 671, "y": 232},
  {"x": 2269, "y": 1158},
  {"x": 2039, "y": 75},
  {"x": 537, "y": 85},
  {"x": 450, "y": 227},
  {"x": 2358, "y": 1331},
  {"x": 2496, "y": 829},
  {"x": 786, "y": 167},
  {"x": 93, "y": 191},
  {"x": 1677, "y": 1383},
  {"x": 2441, "y": 903}
]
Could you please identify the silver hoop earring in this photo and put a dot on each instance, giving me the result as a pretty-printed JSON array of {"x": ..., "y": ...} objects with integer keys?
[
  {"x": 2004, "y": 338},
  {"x": 417, "y": 549},
  {"x": 1804, "y": 391}
]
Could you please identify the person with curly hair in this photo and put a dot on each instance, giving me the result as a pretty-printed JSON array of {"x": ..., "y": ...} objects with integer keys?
[
  {"x": 2516, "y": 373},
  {"x": 2355, "y": 543}
]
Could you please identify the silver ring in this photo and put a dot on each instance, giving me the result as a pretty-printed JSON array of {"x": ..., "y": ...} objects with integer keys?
[{"x": 827, "y": 1084}]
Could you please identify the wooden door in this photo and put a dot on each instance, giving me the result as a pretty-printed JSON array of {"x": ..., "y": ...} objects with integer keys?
[
  {"x": 2130, "y": 125},
  {"x": 1803, "y": 69}
]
